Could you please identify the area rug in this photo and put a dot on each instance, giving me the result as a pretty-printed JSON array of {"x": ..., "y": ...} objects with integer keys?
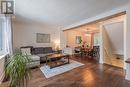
[{"x": 59, "y": 70}]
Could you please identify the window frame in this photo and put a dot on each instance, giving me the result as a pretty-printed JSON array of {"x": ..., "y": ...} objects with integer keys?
[{"x": 1, "y": 40}]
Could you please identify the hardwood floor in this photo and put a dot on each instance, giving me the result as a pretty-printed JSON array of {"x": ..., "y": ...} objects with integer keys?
[{"x": 92, "y": 74}]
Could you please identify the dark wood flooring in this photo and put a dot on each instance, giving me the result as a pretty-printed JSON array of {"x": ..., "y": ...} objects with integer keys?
[{"x": 92, "y": 74}]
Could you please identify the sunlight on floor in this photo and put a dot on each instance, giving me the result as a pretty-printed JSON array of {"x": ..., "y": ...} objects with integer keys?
[{"x": 115, "y": 62}]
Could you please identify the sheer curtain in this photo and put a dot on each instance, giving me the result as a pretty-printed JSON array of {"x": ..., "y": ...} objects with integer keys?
[{"x": 8, "y": 35}]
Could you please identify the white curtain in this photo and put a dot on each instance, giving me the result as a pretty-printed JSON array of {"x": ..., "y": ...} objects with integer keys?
[{"x": 8, "y": 35}]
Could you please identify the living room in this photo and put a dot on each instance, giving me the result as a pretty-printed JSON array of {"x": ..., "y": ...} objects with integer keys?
[{"x": 60, "y": 42}]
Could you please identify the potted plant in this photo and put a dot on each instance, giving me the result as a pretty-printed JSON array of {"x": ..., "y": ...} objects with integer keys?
[{"x": 17, "y": 71}]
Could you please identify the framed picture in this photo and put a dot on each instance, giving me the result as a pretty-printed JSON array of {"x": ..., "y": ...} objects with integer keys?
[
  {"x": 42, "y": 38},
  {"x": 78, "y": 40}
]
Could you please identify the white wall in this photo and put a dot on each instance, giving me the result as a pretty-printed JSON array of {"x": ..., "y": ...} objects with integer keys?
[
  {"x": 63, "y": 39},
  {"x": 115, "y": 33},
  {"x": 71, "y": 37},
  {"x": 24, "y": 34},
  {"x": 107, "y": 49},
  {"x": 127, "y": 42},
  {"x": 115, "y": 30}
]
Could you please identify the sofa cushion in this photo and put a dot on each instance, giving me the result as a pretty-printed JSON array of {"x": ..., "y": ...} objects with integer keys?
[
  {"x": 34, "y": 57},
  {"x": 42, "y": 50},
  {"x": 33, "y": 64},
  {"x": 26, "y": 51}
]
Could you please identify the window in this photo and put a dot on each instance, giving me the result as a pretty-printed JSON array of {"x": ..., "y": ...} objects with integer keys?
[
  {"x": 5, "y": 36},
  {"x": 2, "y": 42},
  {"x": 96, "y": 39},
  {"x": 1, "y": 36}
]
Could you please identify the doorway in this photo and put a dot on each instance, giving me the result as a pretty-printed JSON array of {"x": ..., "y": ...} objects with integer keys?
[{"x": 113, "y": 41}]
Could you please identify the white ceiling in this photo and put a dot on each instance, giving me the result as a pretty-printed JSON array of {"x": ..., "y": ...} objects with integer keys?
[
  {"x": 90, "y": 28},
  {"x": 63, "y": 12}
]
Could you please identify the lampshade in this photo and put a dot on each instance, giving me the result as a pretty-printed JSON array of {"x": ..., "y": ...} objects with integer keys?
[{"x": 56, "y": 45}]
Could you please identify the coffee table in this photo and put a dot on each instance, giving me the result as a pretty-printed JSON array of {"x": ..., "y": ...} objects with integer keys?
[{"x": 55, "y": 60}]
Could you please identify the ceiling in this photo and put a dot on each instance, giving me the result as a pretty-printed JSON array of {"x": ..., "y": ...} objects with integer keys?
[
  {"x": 89, "y": 28},
  {"x": 95, "y": 26},
  {"x": 62, "y": 12}
]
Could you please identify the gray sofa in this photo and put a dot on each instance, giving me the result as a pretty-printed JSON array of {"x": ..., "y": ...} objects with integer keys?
[
  {"x": 37, "y": 54},
  {"x": 42, "y": 52}
]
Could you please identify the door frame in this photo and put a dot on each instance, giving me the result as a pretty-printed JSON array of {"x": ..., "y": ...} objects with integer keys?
[{"x": 125, "y": 40}]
